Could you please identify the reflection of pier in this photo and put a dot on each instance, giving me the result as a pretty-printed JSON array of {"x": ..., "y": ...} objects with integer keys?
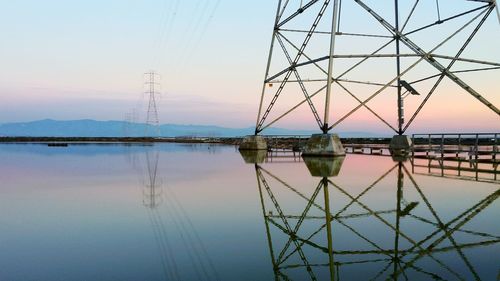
[
  {"x": 461, "y": 169},
  {"x": 315, "y": 252},
  {"x": 464, "y": 156}
]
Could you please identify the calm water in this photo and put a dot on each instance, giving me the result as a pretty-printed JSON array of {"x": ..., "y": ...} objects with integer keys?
[{"x": 183, "y": 212}]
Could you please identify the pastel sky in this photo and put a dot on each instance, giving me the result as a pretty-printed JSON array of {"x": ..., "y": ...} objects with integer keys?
[{"x": 75, "y": 59}]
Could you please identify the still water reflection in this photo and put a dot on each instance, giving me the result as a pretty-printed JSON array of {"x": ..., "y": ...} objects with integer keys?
[{"x": 196, "y": 212}]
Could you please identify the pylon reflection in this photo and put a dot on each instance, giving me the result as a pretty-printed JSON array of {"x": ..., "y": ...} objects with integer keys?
[
  {"x": 315, "y": 251},
  {"x": 172, "y": 226}
]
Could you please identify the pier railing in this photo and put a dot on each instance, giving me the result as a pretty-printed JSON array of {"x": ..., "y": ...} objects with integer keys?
[
  {"x": 474, "y": 154},
  {"x": 473, "y": 144},
  {"x": 470, "y": 156}
]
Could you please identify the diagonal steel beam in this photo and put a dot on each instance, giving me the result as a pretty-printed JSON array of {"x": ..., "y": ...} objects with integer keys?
[
  {"x": 268, "y": 232},
  {"x": 298, "y": 238},
  {"x": 490, "y": 198},
  {"x": 301, "y": 84},
  {"x": 428, "y": 56},
  {"x": 290, "y": 187},
  {"x": 473, "y": 212},
  {"x": 391, "y": 226},
  {"x": 302, "y": 217},
  {"x": 456, "y": 71},
  {"x": 282, "y": 11},
  {"x": 441, "y": 225},
  {"x": 367, "y": 107},
  {"x": 325, "y": 72},
  {"x": 323, "y": 58},
  {"x": 295, "y": 61},
  {"x": 467, "y": 60},
  {"x": 450, "y": 65},
  {"x": 410, "y": 15},
  {"x": 268, "y": 66},
  {"x": 288, "y": 227},
  {"x": 291, "y": 109},
  {"x": 338, "y": 214},
  {"x": 298, "y": 12},
  {"x": 447, "y": 19}
]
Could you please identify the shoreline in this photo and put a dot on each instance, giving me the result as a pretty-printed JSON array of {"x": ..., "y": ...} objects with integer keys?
[{"x": 280, "y": 141}]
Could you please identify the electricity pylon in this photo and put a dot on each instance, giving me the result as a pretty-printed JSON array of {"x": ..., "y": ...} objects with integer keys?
[
  {"x": 416, "y": 46},
  {"x": 152, "y": 120}
]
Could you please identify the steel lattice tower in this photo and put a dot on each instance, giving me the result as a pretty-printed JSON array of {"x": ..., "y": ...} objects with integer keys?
[
  {"x": 152, "y": 120},
  {"x": 397, "y": 37}
]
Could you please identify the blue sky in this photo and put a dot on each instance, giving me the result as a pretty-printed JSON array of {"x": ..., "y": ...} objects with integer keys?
[
  {"x": 86, "y": 59},
  {"x": 92, "y": 54}
]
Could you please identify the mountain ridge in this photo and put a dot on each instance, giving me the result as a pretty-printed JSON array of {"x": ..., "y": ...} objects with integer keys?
[{"x": 113, "y": 128}]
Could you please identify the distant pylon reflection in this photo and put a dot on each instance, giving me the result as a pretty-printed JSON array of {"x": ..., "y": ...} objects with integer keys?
[
  {"x": 152, "y": 192},
  {"x": 178, "y": 231}
]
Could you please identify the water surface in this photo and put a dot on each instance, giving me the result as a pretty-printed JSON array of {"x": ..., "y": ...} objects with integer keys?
[{"x": 199, "y": 212}]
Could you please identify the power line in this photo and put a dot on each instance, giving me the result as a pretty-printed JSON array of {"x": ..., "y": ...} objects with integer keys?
[
  {"x": 203, "y": 32},
  {"x": 166, "y": 31}
]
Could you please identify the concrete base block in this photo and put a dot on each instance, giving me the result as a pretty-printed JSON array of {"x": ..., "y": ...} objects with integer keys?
[
  {"x": 324, "y": 167},
  {"x": 324, "y": 145},
  {"x": 400, "y": 145},
  {"x": 253, "y": 156},
  {"x": 253, "y": 143},
  {"x": 400, "y": 156}
]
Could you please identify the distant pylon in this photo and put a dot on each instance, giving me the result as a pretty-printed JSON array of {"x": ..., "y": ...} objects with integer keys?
[
  {"x": 152, "y": 120},
  {"x": 128, "y": 124}
]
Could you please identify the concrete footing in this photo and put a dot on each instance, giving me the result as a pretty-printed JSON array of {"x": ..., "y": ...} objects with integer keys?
[
  {"x": 324, "y": 167},
  {"x": 400, "y": 145},
  {"x": 253, "y": 156},
  {"x": 324, "y": 145},
  {"x": 400, "y": 157},
  {"x": 253, "y": 143}
]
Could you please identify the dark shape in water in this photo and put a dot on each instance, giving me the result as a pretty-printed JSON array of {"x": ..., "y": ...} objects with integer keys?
[
  {"x": 57, "y": 144},
  {"x": 254, "y": 156},
  {"x": 323, "y": 166}
]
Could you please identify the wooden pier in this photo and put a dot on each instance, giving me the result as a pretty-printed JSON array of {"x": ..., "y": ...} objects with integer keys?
[{"x": 468, "y": 156}]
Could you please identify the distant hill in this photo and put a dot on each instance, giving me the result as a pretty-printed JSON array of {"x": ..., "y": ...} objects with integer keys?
[{"x": 93, "y": 128}]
